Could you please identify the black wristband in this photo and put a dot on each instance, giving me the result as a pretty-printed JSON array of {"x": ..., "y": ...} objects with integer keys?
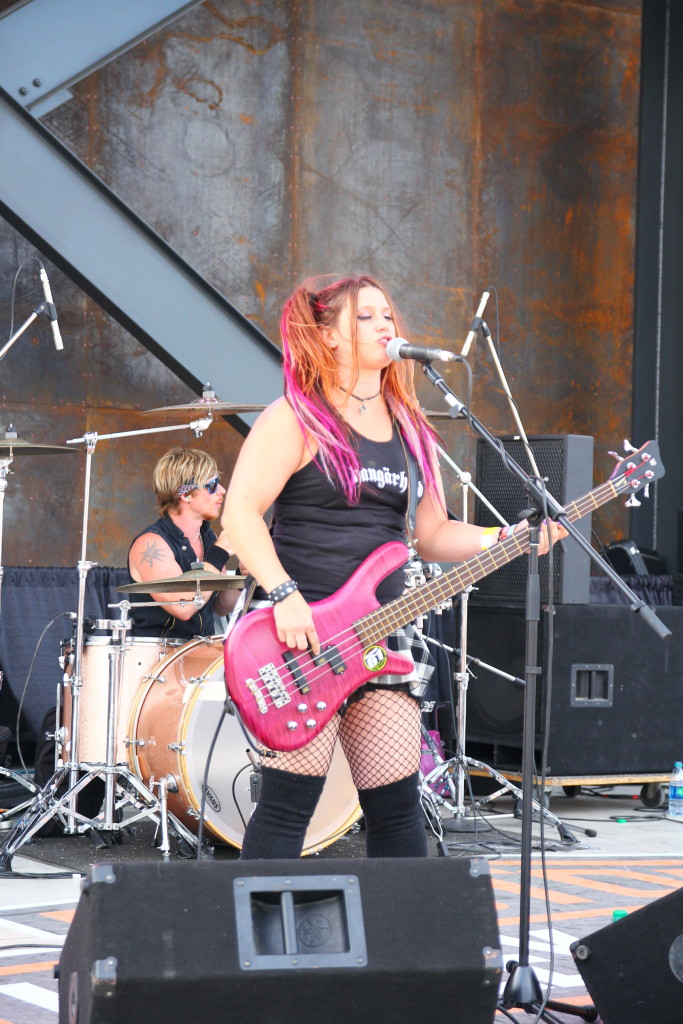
[
  {"x": 216, "y": 556},
  {"x": 282, "y": 591}
]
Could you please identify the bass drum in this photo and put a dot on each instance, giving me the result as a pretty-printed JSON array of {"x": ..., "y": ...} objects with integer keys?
[{"x": 172, "y": 723}]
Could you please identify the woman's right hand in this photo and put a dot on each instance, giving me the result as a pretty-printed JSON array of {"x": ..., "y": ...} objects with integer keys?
[{"x": 294, "y": 623}]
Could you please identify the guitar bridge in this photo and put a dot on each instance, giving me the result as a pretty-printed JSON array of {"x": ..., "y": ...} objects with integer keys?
[
  {"x": 255, "y": 691},
  {"x": 274, "y": 685}
]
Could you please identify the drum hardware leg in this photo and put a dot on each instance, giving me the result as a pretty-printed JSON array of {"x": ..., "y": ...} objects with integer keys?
[
  {"x": 22, "y": 779},
  {"x": 166, "y": 785},
  {"x": 47, "y": 805}
]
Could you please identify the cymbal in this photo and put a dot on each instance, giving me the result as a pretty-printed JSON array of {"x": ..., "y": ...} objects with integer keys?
[
  {"x": 16, "y": 446},
  {"x": 204, "y": 406},
  {"x": 186, "y": 581}
]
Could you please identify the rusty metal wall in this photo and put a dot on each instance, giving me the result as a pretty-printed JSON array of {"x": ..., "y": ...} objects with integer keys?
[{"x": 440, "y": 144}]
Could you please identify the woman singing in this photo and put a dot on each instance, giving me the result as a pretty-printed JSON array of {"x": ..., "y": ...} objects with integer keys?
[{"x": 333, "y": 457}]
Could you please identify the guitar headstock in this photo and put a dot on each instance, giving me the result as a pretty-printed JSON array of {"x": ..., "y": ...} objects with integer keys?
[{"x": 637, "y": 470}]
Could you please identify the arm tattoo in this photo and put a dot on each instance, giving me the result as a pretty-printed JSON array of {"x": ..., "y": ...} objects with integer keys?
[{"x": 152, "y": 553}]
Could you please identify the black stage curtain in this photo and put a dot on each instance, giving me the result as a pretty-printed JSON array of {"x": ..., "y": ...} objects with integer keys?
[{"x": 32, "y": 596}]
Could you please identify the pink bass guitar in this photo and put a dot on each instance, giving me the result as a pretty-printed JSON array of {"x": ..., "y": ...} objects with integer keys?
[{"x": 285, "y": 697}]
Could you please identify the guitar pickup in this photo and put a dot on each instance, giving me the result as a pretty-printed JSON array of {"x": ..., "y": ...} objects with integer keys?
[
  {"x": 330, "y": 656},
  {"x": 297, "y": 672}
]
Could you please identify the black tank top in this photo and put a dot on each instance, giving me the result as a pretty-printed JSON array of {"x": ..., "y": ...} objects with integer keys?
[
  {"x": 157, "y": 621},
  {"x": 321, "y": 538}
]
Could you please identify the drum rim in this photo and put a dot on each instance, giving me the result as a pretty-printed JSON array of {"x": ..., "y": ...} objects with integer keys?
[{"x": 134, "y": 641}]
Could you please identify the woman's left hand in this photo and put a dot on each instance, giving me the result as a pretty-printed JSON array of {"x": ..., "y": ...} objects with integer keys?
[{"x": 557, "y": 532}]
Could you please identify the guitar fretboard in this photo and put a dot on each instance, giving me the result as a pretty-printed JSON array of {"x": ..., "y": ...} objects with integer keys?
[{"x": 376, "y": 626}]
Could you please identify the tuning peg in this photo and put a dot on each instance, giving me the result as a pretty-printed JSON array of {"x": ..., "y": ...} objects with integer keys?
[
  {"x": 628, "y": 447},
  {"x": 633, "y": 502},
  {"x": 646, "y": 491},
  {"x": 615, "y": 455}
]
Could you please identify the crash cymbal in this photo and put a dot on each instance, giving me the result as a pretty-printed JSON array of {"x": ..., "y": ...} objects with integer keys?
[
  {"x": 205, "y": 406},
  {"x": 186, "y": 581},
  {"x": 9, "y": 442}
]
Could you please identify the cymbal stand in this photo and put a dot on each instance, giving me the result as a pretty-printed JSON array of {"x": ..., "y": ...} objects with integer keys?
[
  {"x": 90, "y": 439},
  {"x": 461, "y": 821},
  {"x": 46, "y": 802}
]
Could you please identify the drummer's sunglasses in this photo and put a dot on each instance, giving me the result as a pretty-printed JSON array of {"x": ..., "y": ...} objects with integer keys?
[{"x": 212, "y": 484}]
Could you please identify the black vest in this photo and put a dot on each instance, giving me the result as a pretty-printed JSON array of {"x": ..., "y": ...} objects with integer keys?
[{"x": 157, "y": 621}]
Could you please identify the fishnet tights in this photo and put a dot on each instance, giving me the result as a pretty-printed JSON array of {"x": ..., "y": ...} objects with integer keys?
[{"x": 380, "y": 734}]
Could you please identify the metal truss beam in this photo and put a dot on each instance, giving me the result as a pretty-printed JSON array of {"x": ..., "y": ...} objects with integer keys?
[
  {"x": 48, "y": 45},
  {"x": 71, "y": 216}
]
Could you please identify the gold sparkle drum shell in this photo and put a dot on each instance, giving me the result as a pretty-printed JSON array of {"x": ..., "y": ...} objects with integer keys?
[{"x": 172, "y": 723}]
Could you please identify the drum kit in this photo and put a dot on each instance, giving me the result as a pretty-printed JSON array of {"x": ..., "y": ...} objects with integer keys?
[
  {"x": 150, "y": 716},
  {"x": 143, "y": 713}
]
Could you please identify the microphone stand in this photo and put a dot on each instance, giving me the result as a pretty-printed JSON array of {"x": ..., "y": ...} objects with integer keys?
[
  {"x": 42, "y": 308},
  {"x": 508, "y": 394},
  {"x": 462, "y": 820},
  {"x": 523, "y": 990}
]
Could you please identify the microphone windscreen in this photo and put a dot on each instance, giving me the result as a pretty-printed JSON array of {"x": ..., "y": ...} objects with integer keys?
[{"x": 394, "y": 348}]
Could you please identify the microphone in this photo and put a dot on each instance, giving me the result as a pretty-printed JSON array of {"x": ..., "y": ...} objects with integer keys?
[
  {"x": 50, "y": 310},
  {"x": 398, "y": 348},
  {"x": 476, "y": 324}
]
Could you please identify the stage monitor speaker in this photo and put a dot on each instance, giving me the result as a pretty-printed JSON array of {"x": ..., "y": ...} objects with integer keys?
[
  {"x": 633, "y": 968},
  {"x": 566, "y": 460},
  {"x": 615, "y": 705},
  {"x": 274, "y": 941}
]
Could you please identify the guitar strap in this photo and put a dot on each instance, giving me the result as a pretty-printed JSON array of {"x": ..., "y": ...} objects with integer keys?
[{"x": 411, "y": 468}]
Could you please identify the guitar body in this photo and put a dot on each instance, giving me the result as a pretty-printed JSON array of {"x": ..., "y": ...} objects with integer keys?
[{"x": 269, "y": 689}]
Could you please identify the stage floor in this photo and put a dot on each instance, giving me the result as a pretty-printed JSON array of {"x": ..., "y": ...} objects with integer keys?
[{"x": 636, "y": 857}]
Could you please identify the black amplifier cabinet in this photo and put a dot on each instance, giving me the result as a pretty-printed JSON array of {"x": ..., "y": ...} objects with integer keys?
[
  {"x": 567, "y": 462},
  {"x": 633, "y": 968},
  {"x": 275, "y": 941},
  {"x": 617, "y": 689}
]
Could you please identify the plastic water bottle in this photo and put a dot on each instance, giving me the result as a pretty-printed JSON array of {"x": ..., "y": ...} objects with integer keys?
[{"x": 676, "y": 793}]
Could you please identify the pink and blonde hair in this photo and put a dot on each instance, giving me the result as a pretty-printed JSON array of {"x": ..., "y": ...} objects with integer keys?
[{"x": 311, "y": 376}]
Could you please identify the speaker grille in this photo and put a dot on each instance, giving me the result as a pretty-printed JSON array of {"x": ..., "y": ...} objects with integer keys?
[{"x": 566, "y": 461}]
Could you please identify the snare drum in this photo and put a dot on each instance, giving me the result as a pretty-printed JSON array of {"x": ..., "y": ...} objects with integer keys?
[
  {"x": 141, "y": 658},
  {"x": 172, "y": 723}
]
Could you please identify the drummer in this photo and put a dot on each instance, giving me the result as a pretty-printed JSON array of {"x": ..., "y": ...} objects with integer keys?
[{"x": 189, "y": 496}]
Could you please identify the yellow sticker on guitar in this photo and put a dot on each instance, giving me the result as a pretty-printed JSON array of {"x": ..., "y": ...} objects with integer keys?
[{"x": 374, "y": 658}]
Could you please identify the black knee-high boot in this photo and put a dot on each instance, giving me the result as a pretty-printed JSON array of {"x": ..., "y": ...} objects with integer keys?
[
  {"x": 286, "y": 803},
  {"x": 394, "y": 822}
]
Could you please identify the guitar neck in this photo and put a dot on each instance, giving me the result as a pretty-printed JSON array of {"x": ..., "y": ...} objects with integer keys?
[{"x": 378, "y": 624}]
